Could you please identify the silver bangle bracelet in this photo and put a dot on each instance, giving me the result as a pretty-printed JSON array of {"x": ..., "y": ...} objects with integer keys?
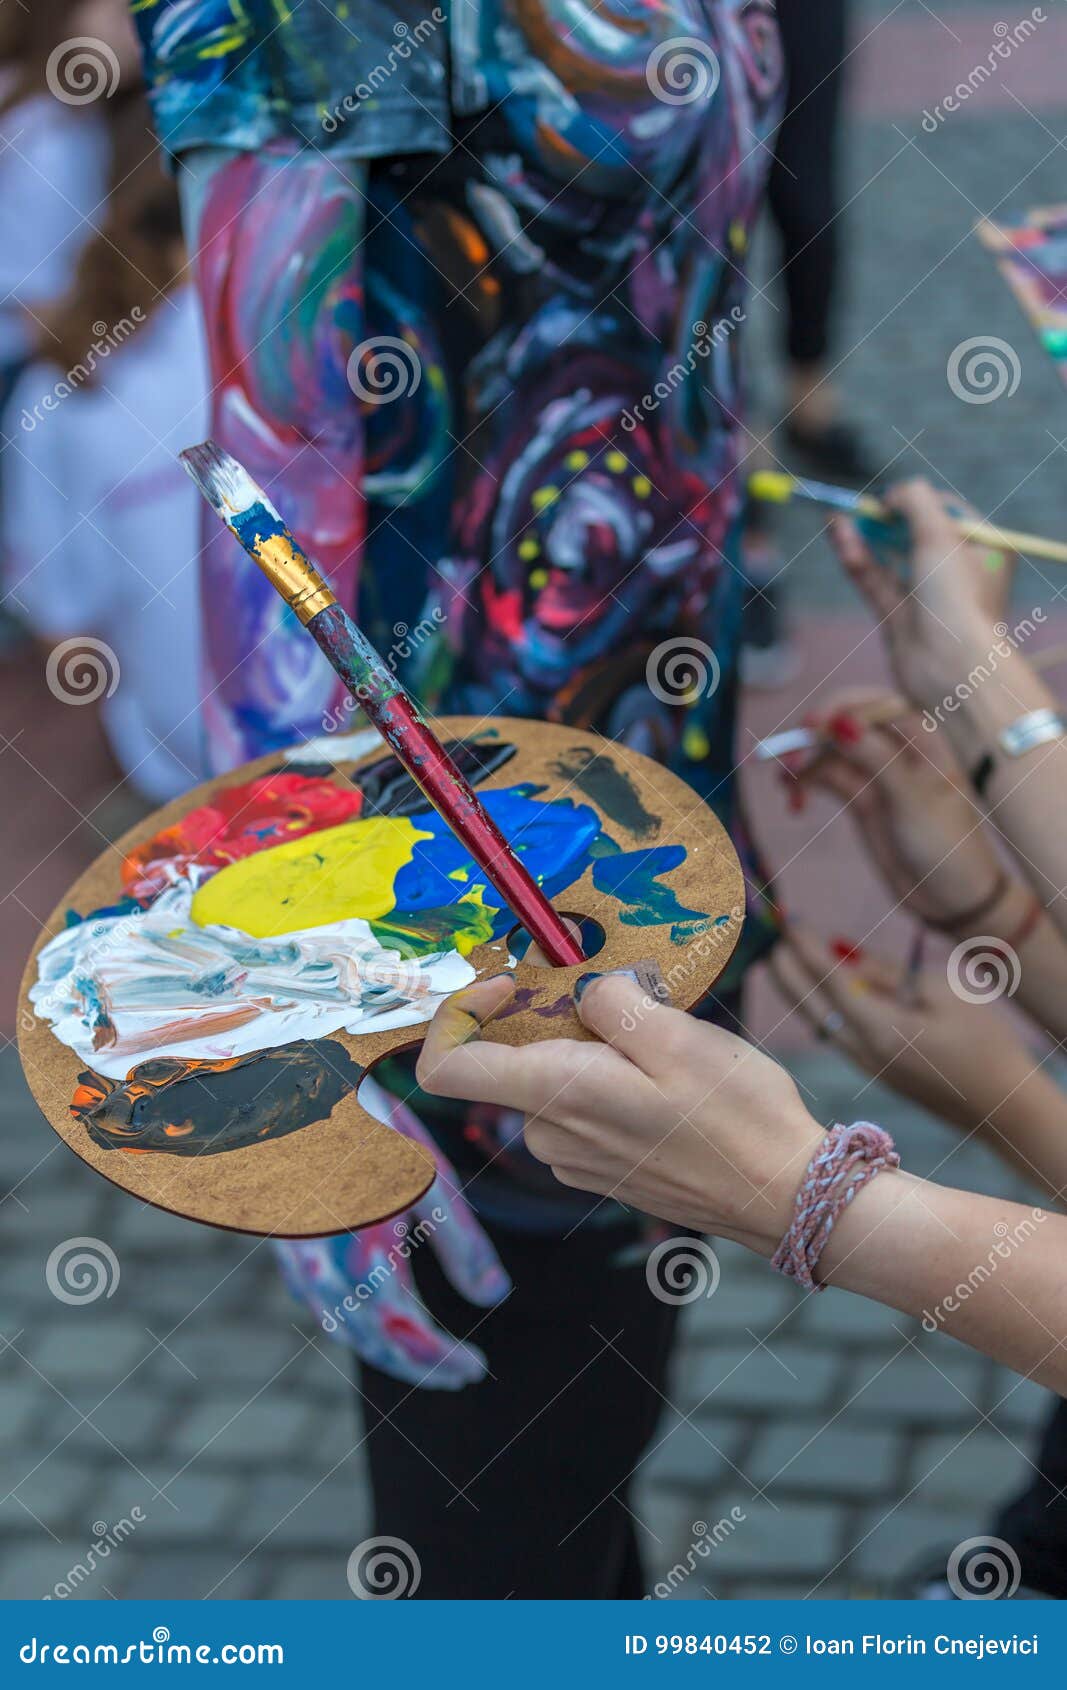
[{"x": 1037, "y": 727}]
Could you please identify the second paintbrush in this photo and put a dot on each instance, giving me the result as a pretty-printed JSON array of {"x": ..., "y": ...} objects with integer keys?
[{"x": 251, "y": 517}]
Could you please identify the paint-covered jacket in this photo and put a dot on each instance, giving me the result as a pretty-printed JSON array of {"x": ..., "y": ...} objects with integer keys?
[
  {"x": 373, "y": 78},
  {"x": 360, "y": 77}
]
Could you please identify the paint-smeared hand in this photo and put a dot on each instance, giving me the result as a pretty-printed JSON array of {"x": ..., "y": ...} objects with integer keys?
[
  {"x": 943, "y": 620},
  {"x": 361, "y": 1288},
  {"x": 670, "y": 1115},
  {"x": 905, "y": 793},
  {"x": 921, "y": 1037}
]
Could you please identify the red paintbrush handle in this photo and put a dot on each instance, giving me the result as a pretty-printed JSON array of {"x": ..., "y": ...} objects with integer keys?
[
  {"x": 377, "y": 690},
  {"x": 429, "y": 764}
]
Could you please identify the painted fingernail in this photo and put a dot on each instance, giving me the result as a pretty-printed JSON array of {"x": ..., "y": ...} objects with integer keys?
[
  {"x": 845, "y": 951},
  {"x": 845, "y": 728},
  {"x": 645, "y": 974}
]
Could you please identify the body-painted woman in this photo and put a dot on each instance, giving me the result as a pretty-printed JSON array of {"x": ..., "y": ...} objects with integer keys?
[{"x": 476, "y": 312}]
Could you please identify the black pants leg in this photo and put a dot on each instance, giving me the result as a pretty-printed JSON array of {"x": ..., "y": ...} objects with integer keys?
[
  {"x": 519, "y": 1486},
  {"x": 1035, "y": 1523},
  {"x": 803, "y": 182}
]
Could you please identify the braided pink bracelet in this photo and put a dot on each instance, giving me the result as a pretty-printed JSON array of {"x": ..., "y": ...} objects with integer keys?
[{"x": 847, "y": 1160}]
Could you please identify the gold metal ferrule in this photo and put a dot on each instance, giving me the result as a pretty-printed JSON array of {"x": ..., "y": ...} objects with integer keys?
[{"x": 298, "y": 581}]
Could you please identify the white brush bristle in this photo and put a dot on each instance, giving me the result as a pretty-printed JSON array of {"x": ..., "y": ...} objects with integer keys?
[{"x": 224, "y": 482}]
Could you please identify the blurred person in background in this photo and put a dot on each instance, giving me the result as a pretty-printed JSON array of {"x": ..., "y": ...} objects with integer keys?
[
  {"x": 804, "y": 202},
  {"x": 99, "y": 520},
  {"x": 804, "y": 198},
  {"x": 59, "y": 104}
]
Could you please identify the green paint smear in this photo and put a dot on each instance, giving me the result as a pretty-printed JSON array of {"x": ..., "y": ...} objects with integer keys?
[
  {"x": 633, "y": 878},
  {"x": 450, "y": 927}
]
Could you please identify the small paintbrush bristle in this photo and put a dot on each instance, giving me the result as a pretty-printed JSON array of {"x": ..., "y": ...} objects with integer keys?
[{"x": 224, "y": 483}]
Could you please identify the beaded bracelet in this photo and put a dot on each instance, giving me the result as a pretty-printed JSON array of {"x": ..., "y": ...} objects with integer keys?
[{"x": 847, "y": 1159}]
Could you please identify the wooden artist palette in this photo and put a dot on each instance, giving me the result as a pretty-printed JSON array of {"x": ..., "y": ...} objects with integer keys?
[{"x": 272, "y": 1139}]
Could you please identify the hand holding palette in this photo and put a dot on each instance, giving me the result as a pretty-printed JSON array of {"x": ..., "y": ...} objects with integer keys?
[{"x": 200, "y": 1011}]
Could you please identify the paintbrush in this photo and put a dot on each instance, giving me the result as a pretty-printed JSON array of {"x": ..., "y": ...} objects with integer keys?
[
  {"x": 777, "y": 488},
  {"x": 908, "y": 990},
  {"x": 250, "y": 516},
  {"x": 879, "y": 712}
]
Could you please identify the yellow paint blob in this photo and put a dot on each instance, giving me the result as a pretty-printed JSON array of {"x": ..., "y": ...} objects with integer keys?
[
  {"x": 576, "y": 459},
  {"x": 642, "y": 486},
  {"x": 542, "y": 497},
  {"x": 615, "y": 461},
  {"x": 695, "y": 744},
  {"x": 538, "y": 579},
  {"x": 330, "y": 876},
  {"x": 529, "y": 548}
]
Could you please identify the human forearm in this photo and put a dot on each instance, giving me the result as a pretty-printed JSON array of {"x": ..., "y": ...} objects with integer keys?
[
  {"x": 988, "y": 1273},
  {"x": 1029, "y": 813}
]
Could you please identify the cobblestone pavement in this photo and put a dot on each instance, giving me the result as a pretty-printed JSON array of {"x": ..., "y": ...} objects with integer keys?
[{"x": 835, "y": 1440}]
